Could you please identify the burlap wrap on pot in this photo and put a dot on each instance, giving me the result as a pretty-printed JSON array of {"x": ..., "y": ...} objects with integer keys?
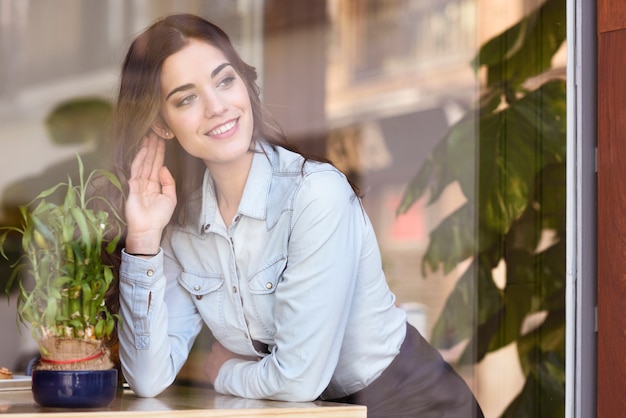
[{"x": 73, "y": 354}]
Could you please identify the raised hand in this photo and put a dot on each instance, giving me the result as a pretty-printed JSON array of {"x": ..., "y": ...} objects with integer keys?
[{"x": 151, "y": 198}]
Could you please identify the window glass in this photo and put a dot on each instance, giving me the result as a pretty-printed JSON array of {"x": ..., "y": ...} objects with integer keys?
[
  {"x": 63, "y": 52},
  {"x": 449, "y": 115}
]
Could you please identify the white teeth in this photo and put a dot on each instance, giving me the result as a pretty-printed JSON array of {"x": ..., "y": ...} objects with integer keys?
[{"x": 224, "y": 128}]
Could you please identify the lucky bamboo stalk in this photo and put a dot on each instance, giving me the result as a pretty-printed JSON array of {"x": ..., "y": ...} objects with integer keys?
[{"x": 62, "y": 278}]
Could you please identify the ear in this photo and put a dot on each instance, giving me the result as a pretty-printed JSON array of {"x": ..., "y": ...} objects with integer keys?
[{"x": 161, "y": 130}]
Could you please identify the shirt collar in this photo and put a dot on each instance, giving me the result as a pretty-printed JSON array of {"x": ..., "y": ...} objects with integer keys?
[
  {"x": 254, "y": 202},
  {"x": 255, "y": 194}
]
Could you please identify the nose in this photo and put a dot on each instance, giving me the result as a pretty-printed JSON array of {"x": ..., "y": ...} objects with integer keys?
[{"x": 215, "y": 104}]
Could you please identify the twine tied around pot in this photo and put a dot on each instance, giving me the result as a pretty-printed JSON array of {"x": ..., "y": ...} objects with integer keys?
[{"x": 73, "y": 354}]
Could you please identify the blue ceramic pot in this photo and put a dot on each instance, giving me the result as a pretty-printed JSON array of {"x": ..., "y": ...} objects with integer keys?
[{"x": 74, "y": 389}]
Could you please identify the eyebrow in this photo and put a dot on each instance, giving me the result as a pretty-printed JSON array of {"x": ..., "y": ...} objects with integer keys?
[{"x": 188, "y": 86}]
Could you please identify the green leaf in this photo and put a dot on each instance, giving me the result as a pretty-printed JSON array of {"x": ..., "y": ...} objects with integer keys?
[
  {"x": 86, "y": 305},
  {"x": 99, "y": 328},
  {"x": 436, "y": 173},
  {"x": 42, "y": 228},
  {"x": 108, "y": 276},
  {"x": 452, "y": 241},
  {"x": 430, "y": 178},
  {"x": 525, "y": 49},
  {"x": 548, "y": 337},
  {"x": 517, "y": 304},
  {"x": 48, "y": 192},
  {"x": 110, "y": 326},
  {"x": 543, "y": 394},
  {"x": 51, "y": 311},
  {"x": 81, "y": 172},
  {"x": 77, "y": 323},
  {"x": 77, "y": 255},
  {"x": 81, "y": 221},
  {"x": 112, "y": 178},
  {"x": 15, "y": 274},
  {"x": 70, "y": 197},
  {"x": 3, "y": 238},
  {"x": 54, "y": 293},
  {"x": 512, "y": 143},
  {"x": 473, "y": 301},
  {"x": 478, "y": 346},
  {"x": 509, "y": 140},
  {"x": 461, "y": 146},
  {"x": 112, "y": 245}
]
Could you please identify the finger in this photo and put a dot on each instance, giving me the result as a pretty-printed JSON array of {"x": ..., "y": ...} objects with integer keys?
[
  {"x": 168, "y": 184},
  {"x": 137, "y": 163},
  {"x": 147, "y": 166},
  {"x": 159, "y": 160}
]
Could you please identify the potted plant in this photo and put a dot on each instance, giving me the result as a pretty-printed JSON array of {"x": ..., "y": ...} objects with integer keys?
[{"x": 62, "y": 280}]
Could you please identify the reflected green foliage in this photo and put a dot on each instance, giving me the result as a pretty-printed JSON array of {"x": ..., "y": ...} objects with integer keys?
[
  {"x": 79, "y": 120},
  {"x": 508, "y": 156}
]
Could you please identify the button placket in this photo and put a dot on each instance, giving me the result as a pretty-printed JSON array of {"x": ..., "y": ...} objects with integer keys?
[{"x": 236, "y": 289}]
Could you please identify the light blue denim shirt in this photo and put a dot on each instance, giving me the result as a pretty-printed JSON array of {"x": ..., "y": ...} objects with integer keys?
[{"x": 299, "y": 269}]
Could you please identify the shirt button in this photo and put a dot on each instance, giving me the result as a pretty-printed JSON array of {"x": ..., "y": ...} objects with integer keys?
[
  {"x": 237, "y": 218},
  {"x": 198, "y": 297},
  {"x": 269, "y": 285},
  {"x": 234, "y": 289},
  {"x": 150, "y": 273},
  {"x": 206, "y": 227},
  {"x": 196, "y": 287}
]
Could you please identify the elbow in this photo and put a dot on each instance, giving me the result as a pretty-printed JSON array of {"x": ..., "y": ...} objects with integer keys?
[
  {"x": 303, "y": 397},
  {"x": 145, "y": 386},
  {"x": 299, "y": 392},
  {"x": 144, "y": 390},
  {"x": 297, "y": 384}
]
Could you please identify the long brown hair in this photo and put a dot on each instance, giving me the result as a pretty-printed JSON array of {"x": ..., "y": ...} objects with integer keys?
[{"x": 139, "y": 96}]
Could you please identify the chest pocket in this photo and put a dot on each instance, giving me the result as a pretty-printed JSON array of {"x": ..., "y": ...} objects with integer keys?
[
  {"x": 262, "y": 287},
  {"x": 207, "y": 292}
]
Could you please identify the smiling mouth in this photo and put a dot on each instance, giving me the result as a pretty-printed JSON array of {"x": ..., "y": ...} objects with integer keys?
[{"x": 223, "y": 128}]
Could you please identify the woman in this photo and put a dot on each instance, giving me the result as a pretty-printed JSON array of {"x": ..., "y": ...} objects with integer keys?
[{"x": 228, "y": 226}]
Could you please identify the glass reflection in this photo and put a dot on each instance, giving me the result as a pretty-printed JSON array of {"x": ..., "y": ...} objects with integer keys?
[{"x": 462, "y": 161}]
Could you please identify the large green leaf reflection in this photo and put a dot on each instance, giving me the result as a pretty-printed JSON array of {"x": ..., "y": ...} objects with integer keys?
[{"x": 508, "y": 156}]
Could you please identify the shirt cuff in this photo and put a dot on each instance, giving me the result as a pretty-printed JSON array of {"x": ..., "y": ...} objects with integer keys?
[{"x": 141, "y": 270}]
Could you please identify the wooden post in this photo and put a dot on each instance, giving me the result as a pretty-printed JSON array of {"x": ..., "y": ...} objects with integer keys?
[{"x": 611, "y": 257}]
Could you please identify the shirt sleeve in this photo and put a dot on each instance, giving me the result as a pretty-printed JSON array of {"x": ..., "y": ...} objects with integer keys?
[
  {"x": 154, "y": 344},
  {"x": 313, "y": 300}
]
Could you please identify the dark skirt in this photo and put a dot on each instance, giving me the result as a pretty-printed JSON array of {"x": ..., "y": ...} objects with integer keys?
[{"x": 417, "y": 383}]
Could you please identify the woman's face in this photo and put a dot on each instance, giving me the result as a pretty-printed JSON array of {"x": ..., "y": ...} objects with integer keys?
[{"x": 205, "y": 103}]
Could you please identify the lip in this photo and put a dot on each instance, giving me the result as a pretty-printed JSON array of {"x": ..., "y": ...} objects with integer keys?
[{"x": 224, "y": 130}]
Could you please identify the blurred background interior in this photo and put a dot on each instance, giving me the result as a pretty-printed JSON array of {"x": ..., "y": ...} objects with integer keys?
[{"x": 375, "y": 85}]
